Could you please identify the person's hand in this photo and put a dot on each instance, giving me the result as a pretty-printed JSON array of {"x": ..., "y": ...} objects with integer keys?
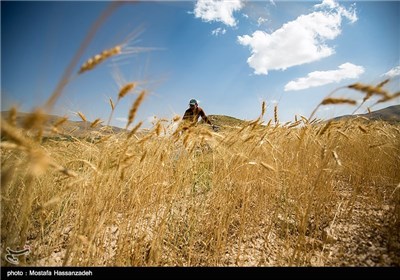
[{"x": 215, "y": 128}]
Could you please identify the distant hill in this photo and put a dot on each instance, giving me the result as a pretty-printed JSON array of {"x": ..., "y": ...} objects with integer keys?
[
  {"x": 226, "y": 121},
  {"x": 389, "y": 114},
  {"x": 68, "y": 128}
]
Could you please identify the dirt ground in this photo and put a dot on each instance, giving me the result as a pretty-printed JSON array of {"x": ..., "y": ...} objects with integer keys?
[{"x": 364, "y": 237}]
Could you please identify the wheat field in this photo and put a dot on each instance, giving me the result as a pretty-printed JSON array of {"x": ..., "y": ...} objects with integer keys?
[{"x": 255, "y": 195}]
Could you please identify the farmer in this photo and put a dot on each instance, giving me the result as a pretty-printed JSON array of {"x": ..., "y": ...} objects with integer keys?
[{"x": 193, "y": 113}]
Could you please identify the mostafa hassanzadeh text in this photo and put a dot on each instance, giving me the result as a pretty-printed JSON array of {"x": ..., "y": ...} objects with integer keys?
[{"x": 56, "y": 272}]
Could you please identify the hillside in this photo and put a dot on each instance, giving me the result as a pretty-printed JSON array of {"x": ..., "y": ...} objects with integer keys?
[
  {"x": 389, "y": 114},
  {"x": 67, "y": 128},
  {"x": 225, "y": 121}
]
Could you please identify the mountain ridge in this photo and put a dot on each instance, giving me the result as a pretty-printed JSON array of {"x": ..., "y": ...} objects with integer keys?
[{"x": 389, "y": 114}]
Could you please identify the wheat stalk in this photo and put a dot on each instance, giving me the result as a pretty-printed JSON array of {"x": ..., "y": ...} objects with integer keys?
[
  {"x": 133, "y": 131},
  {"x": 60, "y": 121},
  {"x": 82, "y": 116},
  {"x": 135, "y": 106},
  {"x": 336, "y": 157},
  {"x": 389, "y": 97},
  {"x": 267, "y": 166},
  {"x": 69, "y": 70},
  {"x": 12, "y": 116},
  {"x": 276, "y": 114},
  {"x": 369, "y": 90},
  {"x": 263, "y": 108},
  {"x": 362, "y": 129},
  {"x": 325, "y": 128},
  {"x": 99, "y": 58},
  {"x": 112, "y": 104},
  {"x": 125, "y": 89},
  {"x": 96, "y": 122},
  {"x": 176, "y": 118},
  {"x": 327, "y": 101}
]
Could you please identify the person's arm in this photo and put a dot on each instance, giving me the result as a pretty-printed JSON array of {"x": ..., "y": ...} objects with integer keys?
[{"x": 204, "y": 116}]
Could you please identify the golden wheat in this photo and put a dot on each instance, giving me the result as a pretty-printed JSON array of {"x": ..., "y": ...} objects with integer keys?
[
  {"x": 112, "y": 104},
  {"x": 82, "y": 116},
  {"x": 389, "y": 97},
  {"x": 267, "y": 166},
  {"x": 135, "y": 129},
  {"x": 12, "y": 116},
  {"x": 60, "y": 122},
  {"x": 135, "y": 106},
  {"x": 370, "y": 90},
  {"x": 99, "y": 58},
  {"x": 96, "y": 122},
  {"x": 325, "y": 128},
  {"x": 125, "y": 89},
  {"x": 263, "y": 108},
  {"x": 276, "y": 114},
  {"x": 327, "y": 101},
  {"x": 362, "y": 129}
]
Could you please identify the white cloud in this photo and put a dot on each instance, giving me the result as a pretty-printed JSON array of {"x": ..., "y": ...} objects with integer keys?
[
  {"x": 327, "y": 3},
  {"x": 393, "y": 72},
  {"x": 320, "y": 78},
  {"x": 218, "y": 10},
  {"x": 121, "y": 119},
  {"x": 297, "y": 42},
  {"x": 261, "y": 20},
  {"x": 218, "y": 31},
  {"x": 332, "y": 4}
]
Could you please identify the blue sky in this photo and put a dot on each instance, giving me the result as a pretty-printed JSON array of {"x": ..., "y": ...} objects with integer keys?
[{"x": 230, "y": 55}]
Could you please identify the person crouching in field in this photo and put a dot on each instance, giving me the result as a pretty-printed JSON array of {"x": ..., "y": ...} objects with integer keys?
[{"x": 194, "y": 112}]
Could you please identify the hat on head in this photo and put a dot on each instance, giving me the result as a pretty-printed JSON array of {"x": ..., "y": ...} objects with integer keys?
[{"x": 193, "y": 102}]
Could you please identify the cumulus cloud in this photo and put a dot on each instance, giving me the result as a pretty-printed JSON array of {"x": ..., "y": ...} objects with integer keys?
[
  {"x": 299, "y": 41},
  {"x": 218, "y": 10},
  {"x": 393, "y": 72},
  {"x": 320, "y": 78},
  {"x": 218, "y": 31}
]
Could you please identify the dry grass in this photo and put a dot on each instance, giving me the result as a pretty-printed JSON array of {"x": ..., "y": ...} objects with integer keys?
[{"x": 255, "y": 195}]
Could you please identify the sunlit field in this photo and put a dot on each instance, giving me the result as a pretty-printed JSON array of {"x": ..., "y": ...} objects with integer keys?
[{"x": 258, "y": 194}]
